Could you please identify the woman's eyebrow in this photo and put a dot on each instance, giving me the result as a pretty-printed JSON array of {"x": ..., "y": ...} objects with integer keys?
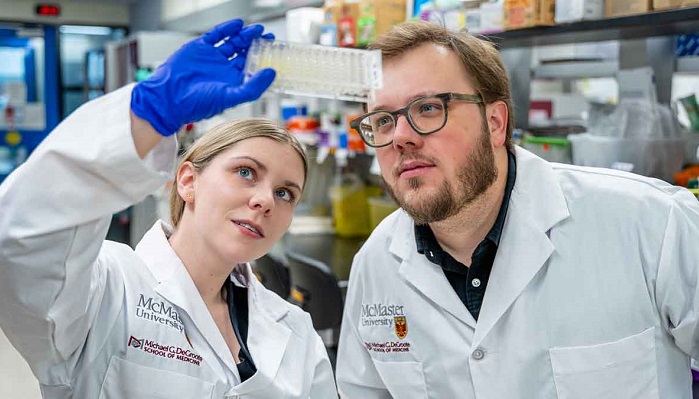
[
  {"x": 257, "y": 163},
  {"x": 290, "y": 183}
]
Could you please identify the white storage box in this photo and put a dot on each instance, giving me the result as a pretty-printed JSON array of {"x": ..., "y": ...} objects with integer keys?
[
  {"x": 491, "y": 16},
  {"x": 577, "y": 10}
]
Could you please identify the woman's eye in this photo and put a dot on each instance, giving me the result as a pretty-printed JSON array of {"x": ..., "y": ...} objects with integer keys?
[
  {"x": 246, "y": 173},
  {"x": 285, "y": 194}
]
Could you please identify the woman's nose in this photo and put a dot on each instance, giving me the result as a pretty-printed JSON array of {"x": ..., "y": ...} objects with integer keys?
[{"x": 263, "y": 200}]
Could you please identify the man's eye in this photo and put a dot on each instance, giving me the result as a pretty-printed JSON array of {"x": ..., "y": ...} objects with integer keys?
[
  {"x": 429, "y": 107},
  {"x": 384, "y": 121}
]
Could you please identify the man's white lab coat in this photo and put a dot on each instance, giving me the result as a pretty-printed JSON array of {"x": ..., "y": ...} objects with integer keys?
[
  {"x": 96, "y": 319},
  {"x": 594, "y": 293}
]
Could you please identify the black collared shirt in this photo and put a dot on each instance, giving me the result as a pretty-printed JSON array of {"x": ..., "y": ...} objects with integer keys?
[
  {"x": 470, "y": 282},
  {"x": 237, "y": 298}
]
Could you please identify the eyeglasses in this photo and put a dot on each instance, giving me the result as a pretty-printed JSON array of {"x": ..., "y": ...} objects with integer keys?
[{"x": 424, "y": 114}]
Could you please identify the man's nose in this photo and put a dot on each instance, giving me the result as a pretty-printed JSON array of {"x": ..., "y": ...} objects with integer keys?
[{"x": 404, "y": 135}]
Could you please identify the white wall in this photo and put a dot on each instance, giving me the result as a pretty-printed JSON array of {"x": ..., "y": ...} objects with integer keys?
[
  {"x": 173, "y": 9},
  {"x": 202, "y": 15}
]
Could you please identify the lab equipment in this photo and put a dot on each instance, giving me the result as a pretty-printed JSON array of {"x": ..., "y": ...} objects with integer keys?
[
  {"x": 552, "y": 149},
  {"x": 692, "y": 108},
  {"x": 318, "y": 71},
  {"x": 379, "y": 208},
  {"x": 348, "y": 196}
]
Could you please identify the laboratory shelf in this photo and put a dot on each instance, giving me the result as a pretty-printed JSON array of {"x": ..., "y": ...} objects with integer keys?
[
  {"x": 658, "y": 23},
  {"x": 575, "y": 70}
]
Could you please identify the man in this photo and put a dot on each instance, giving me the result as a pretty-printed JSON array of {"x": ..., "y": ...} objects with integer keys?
[{"x": 505, "y": 276}]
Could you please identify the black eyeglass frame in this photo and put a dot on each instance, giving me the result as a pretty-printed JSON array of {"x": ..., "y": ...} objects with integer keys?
[{"x": 445, "y": 97}]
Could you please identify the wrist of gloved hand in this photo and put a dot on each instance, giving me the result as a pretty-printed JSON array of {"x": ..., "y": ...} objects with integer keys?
[
  {"x": 147, "y": 104},
  {"x": 201, "y": 79}
]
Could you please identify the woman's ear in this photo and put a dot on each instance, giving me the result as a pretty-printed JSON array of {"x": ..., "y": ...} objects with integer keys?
[
  {"x": 497, "y": 114},
  {"x": 185, "y": 177}
]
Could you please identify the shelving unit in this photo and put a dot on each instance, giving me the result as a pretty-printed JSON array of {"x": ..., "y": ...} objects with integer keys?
[
  {"x": 575, "y": 69},
  {"x": 658, "y": 23},
  {"x": 645, "y": 40}
]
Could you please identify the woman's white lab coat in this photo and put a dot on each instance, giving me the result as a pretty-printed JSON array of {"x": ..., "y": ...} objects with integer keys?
[
  {"x": 594, "y": 293},
  {"x": 96, "y": 319}
]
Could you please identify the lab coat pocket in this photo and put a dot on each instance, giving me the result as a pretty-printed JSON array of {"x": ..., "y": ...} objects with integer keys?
[
  {"x": 623, "y": 369},
  {"x": 404, "y": 380},
  {"x": 125, "y": 379}
]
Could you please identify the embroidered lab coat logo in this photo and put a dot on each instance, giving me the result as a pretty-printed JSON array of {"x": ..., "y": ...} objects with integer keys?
[
  {"x": 135, "y": 342},
  {"x": 401, "y": 326},
  {"x": 158, "y": 311},
  {"x": 379, "y": 314},
  {"x": 173, "y": 352}
]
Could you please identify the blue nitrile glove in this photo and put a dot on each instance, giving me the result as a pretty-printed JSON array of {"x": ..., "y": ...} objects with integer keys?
[{"x": 201, "y": 80}]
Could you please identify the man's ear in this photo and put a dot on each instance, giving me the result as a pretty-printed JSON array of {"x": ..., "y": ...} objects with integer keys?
[
  {"x": 185, "y": 178},
  {"x": 497, "y": 116}
]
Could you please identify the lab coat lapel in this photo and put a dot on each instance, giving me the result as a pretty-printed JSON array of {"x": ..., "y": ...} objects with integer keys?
[
  {"x": 176, "y": 285},
  {"x": 267, "y": 337},
  {"x": 536, "y": 205},
  {"x": 424, "y": 275},
  {"x": 180, "y": 290}
]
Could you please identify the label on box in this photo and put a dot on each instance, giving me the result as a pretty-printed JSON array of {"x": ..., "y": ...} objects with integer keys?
[{"x": 517, "y": 16}]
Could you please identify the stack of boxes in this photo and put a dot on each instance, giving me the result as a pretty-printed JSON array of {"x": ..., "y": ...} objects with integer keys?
[
  {"x": 356, "y": 23},
  {"x": 526, "y": 13},
  {"x": 621, "y": 8},
  {"x": 667, "y": 4}
]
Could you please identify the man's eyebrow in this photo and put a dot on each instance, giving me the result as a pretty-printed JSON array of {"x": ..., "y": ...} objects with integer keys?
[{"x": 382, "y": 107}]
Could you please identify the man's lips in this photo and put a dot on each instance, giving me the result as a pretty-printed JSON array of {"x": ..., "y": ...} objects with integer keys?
[{"x": 412, "y": 167}]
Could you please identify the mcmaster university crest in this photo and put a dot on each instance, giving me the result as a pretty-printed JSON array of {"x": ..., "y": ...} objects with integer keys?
[{"x": 401, "y": 326}]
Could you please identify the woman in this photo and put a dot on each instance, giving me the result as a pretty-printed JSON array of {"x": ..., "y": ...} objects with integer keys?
[{"x": 181, "y": 316}]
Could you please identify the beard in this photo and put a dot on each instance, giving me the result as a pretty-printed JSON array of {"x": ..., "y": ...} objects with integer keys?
[{"x": 474, "y": 177}]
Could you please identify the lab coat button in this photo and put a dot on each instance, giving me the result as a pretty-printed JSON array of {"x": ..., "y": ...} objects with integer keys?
[
  {"x": 476, "y": 282},
  {"x": 478, "y": 354}
]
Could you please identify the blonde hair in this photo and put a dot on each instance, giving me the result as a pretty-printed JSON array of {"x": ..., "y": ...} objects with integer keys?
[
  {"x": 481, "y": 60},
  {"x": 219, "y": 139}
]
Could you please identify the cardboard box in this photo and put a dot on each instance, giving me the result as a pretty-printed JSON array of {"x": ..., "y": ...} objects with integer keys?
[
  {"x": 620, "y": 8},
  {"x": 526, "y": 13},
  {"x": 386, "y": 13},
  {"x": 667, "y": 4},
  {"x": 578, "y": 10}
]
